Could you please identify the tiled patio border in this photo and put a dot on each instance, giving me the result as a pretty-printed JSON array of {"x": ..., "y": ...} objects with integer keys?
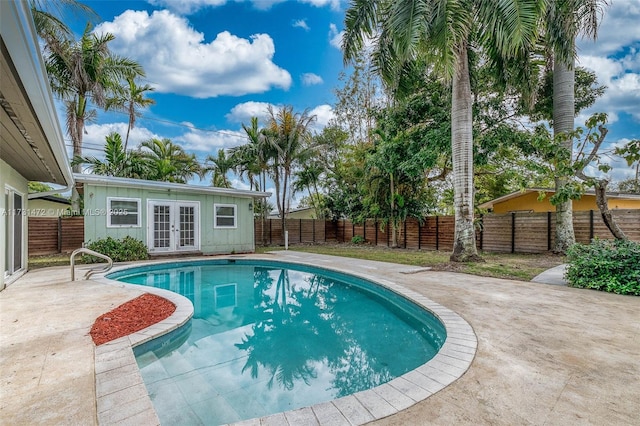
[{"x": 122, "y": 397}]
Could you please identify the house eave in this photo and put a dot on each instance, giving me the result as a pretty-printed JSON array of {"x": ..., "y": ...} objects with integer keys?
[{"x": 165, "y": 186}]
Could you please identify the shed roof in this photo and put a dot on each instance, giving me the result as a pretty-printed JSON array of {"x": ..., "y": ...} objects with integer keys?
[
  {"x": 490, "y": 204},
  {"x": 157, "y": 185}
]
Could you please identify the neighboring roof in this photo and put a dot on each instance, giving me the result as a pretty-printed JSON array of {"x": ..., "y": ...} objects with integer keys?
[
  {"x": 53, "y": 199},
  {"x": 490, "y": 204},
  {"x": 156, "y": 185},
  {"x": 32, "y": 141}
]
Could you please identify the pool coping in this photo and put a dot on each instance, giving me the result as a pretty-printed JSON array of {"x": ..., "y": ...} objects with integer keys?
[{"x": 121, "y": 394}]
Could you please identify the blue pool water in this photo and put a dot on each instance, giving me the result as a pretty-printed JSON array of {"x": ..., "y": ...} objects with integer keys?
[{"x": 268, "y": 337}]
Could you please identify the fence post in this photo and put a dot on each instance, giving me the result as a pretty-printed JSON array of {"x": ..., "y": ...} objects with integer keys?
[
  {"x": 300, "y": 229},
  {"x": 437, "y": 234},
  {"x": 375, "y": 223},
  {"x": 364, "y": 231},
  {"x": 590, "y": 225},
  {"x": 405, "y": 233},
  {"x": 548, "y": 230},
  {"x": 59, "y": 234},
  {"x": 419, "y": 235},
  {"x": 513, "y": 232},
  {"x": 481, "y": 230},
  {"x": 313, "y": 231},
  {"x": 270, "y": 232}
]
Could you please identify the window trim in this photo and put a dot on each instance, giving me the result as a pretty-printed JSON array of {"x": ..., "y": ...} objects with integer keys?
[
  {"x": 109, "y": 209},
  {"x": 215, "y": 216}
]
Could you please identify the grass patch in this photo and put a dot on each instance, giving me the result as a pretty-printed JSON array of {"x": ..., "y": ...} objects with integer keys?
[
  {"x": 59, "y": 259},
  {"x": 499, "y": 265}
]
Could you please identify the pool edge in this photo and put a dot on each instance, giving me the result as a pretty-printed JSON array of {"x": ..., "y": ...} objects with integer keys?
[{"x": 126, "y": 396}]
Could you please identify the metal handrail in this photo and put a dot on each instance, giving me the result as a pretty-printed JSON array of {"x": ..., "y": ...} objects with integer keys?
[{"x": 91, "y": 271}]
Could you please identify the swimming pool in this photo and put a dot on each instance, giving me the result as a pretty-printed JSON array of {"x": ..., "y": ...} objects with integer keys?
[{"x": 269, "y": 336}]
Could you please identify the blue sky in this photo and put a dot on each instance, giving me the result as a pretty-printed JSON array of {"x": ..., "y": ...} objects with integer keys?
[{"x": 216, "y": 63}]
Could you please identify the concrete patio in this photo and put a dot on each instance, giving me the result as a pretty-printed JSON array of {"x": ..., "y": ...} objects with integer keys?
[{"x": 547, "y": 354}]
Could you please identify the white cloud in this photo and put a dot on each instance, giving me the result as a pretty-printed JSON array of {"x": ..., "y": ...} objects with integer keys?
[
  {"x": 324, "y": 114},
  {"x": 334, "y": 4},
  {"x": 301, "y": 23},
  {"x": 177, "y": 59},
  {"x": 309, "y": 79},
  {"x": 209, "y": 141},
  {"x": 243, "y": 112},
  {"x": 335, "y": 36},
  {"x": 188, "y": 7},
  {"x": 94, "y": 139},
  {"x": 618, "y": 28}
]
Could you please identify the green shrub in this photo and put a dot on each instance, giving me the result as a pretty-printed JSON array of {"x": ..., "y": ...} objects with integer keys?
[
  {"x": 612, "y": 266},
  {"x": 123, "y": 250},
  {"x": 358, "y": 239}
]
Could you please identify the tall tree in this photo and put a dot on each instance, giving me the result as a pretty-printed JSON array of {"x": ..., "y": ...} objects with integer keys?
[
  {"x": 287, "y": 132},
  {"x": 442, "y": 30},
  {"x": 219, "y": 166},
  {"x": 565, "y": 21},
  {"x": 117, "y": 162},
  {"x": 168, "y": 162},
  {"x": 84, "y": 73},
  {"x": 129, "y": 98}
]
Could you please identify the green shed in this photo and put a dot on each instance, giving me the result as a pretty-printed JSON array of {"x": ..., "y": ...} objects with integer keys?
[{"x": 170, "y": 218}]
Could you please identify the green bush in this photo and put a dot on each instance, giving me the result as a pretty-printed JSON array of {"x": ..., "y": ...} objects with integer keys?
[
  {"x": 358, "y": 239},
  {"x": 605, "y": 265},
  {"x": 123, "y": 250}
]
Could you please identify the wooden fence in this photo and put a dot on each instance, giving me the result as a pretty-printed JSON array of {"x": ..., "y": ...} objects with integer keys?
[
  {"x": 510, "y": 233},
  {"x": 513, "y": 232},
  {"x": 48, "y": 235}
]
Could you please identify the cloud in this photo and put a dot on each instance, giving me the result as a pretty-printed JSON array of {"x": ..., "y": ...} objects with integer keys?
[
  {"x": 310, "y": 79},
  {"x": 335, "y": 36},
  {"x": 334, "y": 4},
  {"x": 324, "y": 114},
  {"x": 188, "y": 7},
  {"x": 618, "y": 28},
  {"x": 177, "y": 59},
  {"x": 301, "y": 23},
  {"x": 243, "y": 112},
  {"x": 94, "y": 139},
  {"x": 209, "y": 141}
]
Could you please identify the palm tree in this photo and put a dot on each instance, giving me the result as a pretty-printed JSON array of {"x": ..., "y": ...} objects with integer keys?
[
  {"x": 128, "y": 99},
  {"x": 256, "y": 157},
  {"x": 84, "y": 73},
  {"x": 287, "y": 133},
  {"x": 219, "y": 167},
  {"x": 441, "y": 30},
  {"x": 117, "y": 162},
  {"x": 564, "y": 21},
  {"x": 168, "y": 162}
]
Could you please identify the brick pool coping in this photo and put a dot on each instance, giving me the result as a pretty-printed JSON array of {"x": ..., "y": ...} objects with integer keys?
[{"x": 122, "y": 396}]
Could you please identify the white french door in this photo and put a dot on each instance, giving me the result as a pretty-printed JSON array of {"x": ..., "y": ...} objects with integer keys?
[
  {"x": 14, "y": 258},
  {"x": 173, "y": 226}
]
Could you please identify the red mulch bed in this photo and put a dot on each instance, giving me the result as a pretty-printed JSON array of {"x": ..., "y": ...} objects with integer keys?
[{"x": 130, "y": 317}]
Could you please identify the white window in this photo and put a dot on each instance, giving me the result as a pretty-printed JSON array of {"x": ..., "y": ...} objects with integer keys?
[
  {"x": 225, "y": 215},
  {"x": 123, "y": 212}
]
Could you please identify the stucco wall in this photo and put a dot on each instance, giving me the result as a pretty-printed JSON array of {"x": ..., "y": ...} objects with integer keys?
[
  {"x": 529, "y": 202},
  {"x": 212, "y": 240}
]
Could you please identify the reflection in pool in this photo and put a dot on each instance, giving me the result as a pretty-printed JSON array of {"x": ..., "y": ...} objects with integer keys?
[{"x": 268, "y": 337}]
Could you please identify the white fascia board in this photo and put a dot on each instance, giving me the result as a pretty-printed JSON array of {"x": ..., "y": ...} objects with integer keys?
[
  {"x": 163, "y": 186},
  {"x": 19, "y": 35}
]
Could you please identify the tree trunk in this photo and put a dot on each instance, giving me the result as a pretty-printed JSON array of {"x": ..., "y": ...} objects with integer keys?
[
  {"x": 76, "y": 139},
  {"x": 563, "y": 115},
  {"x": 464, "y": 245},
  {"x": 602, "y": 203},
  {"x": 392, "y": 222}
]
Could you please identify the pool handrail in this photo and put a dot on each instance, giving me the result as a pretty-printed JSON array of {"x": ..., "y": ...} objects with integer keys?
[{"x": 93, "y": 270}]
